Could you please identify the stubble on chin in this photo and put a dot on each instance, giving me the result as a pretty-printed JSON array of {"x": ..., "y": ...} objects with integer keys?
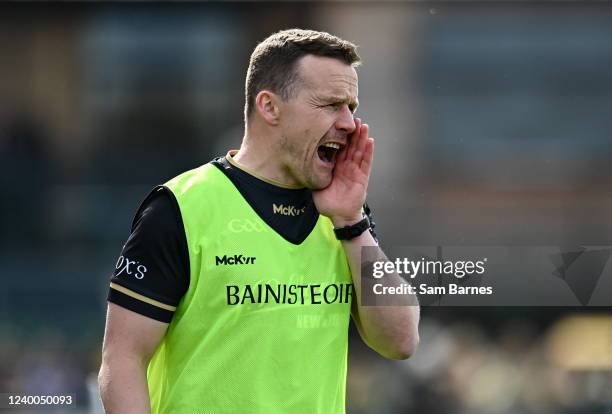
[{"x": 315, "y": 184}]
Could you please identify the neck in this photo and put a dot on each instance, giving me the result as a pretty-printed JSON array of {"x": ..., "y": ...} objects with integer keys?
[{"x": 259, "y": 156}]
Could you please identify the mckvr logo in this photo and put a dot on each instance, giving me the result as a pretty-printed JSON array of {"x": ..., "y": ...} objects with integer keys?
[
  {"x": 287, "y": 210},
  {"x": 236, "y": 259}
]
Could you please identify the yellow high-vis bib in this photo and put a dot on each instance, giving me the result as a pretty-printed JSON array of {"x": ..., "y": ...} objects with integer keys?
[{"x": 263, "y": 327}]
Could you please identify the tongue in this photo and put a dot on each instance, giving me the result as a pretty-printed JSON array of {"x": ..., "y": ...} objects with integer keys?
[
  {"x": 332, "y": 155},
  {"x": 326, "y": 154}
]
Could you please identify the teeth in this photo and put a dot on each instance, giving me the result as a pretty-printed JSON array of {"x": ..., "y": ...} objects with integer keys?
[{"x": 332, "y": 145}]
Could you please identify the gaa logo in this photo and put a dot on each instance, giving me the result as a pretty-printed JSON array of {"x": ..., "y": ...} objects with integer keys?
[{"x": 245, "y": 226}]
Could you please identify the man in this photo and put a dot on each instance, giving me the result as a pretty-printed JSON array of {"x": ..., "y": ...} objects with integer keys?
[{"x": 234, "y": 291}]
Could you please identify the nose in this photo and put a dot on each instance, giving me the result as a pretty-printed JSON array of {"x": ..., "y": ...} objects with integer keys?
[{"x": 345, "y": 121}]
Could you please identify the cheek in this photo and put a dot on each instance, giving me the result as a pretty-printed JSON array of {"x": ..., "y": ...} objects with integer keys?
[{"x": 318, "y": 128}]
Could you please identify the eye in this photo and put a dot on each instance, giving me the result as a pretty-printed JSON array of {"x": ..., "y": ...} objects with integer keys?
[{"x": 335, "y": 106}]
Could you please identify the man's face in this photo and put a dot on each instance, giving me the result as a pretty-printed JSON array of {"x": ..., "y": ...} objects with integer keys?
[{"x": 317, "y": 121}]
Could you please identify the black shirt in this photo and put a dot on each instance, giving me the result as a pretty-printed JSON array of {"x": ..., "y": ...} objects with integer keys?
[{"x": 152, "y": 272}]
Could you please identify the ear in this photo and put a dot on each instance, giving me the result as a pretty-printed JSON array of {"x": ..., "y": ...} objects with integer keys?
[{"x": 267, "y": 105}]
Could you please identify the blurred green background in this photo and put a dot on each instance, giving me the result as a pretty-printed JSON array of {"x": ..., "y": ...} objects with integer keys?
[{"x": 493, "y": 123}]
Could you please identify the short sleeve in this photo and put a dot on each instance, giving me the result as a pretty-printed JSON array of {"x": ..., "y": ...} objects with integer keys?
[{"x": 152, "y": 272}]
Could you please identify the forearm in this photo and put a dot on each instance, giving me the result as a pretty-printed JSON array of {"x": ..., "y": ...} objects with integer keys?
[
  {"x": 390, "y": 330},
  {"x": 123, "y": 386}
]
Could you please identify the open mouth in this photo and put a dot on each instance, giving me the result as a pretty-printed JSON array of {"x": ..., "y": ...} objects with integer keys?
[{"x": 329, "y": 151}]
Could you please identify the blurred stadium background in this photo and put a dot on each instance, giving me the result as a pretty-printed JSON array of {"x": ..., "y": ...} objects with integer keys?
[{"x": 494, "y": 127}]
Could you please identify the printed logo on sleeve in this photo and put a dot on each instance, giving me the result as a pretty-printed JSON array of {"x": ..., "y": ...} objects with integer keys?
[{"x": 130, "y": 267}]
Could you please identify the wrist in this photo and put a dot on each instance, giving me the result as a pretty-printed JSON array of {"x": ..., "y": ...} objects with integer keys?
[{"x": 340, "y": 222}]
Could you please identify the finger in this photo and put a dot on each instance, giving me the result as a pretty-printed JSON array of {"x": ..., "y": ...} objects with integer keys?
[
  {"x": 343, "y": 155},
  {"x": 353, "y": 138},
  {"x": 361, "y": 143},
  {"x": 368, "y": 157},
  {"x": 365, "y": 133}
]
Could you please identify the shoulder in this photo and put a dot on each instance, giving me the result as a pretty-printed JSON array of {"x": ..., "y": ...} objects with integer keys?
[
  {"x": 195, "y": 180},
  {"x": 160, "y": 202}
]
